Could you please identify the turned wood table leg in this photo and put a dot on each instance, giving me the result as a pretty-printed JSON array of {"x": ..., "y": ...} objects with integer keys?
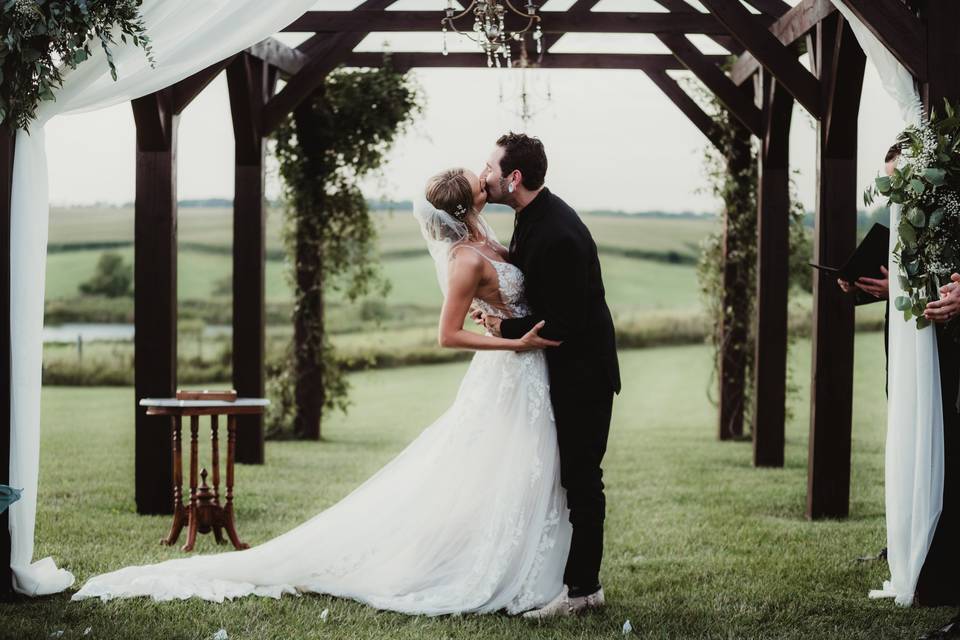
[
  {"x": 194, "y": 463},
  {"x": 215, "y": 463},
  {"x": 178, "y": 510},
  {"x": 229, "y": 523}
]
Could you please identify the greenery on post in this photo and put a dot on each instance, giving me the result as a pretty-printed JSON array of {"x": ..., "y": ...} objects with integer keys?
[
  {"x": 727, "y": 270},
  {"x": 328, "y": 145},
  {"x": 38, "y": 37}
]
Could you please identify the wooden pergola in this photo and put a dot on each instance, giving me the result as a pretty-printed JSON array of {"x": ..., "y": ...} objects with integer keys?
[{"x": 759, "y": 90}]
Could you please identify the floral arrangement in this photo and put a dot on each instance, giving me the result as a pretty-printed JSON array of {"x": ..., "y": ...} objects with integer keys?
[
  {"x": 41, "y": 38},
  {"x": 926, "y": 185}
]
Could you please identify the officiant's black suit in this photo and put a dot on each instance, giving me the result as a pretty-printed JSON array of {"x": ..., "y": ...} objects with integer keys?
[{"x": 558, "y": 257}]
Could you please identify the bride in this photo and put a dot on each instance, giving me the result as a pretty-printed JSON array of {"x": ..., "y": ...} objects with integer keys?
[{"x": 470, "y": 517}]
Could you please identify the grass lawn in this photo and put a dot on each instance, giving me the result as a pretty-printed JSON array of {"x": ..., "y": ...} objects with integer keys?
[{"x": 700, "y": 544}]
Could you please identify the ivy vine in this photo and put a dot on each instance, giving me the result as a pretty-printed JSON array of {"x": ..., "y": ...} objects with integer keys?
[{"x": 325, "y": 149}]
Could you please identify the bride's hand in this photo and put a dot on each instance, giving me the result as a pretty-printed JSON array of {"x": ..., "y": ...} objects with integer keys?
[{"x": 532, "y": 340}]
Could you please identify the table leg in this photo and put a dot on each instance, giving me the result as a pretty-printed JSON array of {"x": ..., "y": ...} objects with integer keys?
[
  {"x": 229, "y": 523},
  {"x": 194, "y": 463},
  {"x": 178, "y": 510},
  {"x": 215, "y": 463}
]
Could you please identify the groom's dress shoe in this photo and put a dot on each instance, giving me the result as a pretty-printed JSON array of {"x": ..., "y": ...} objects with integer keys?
[
  {"x": 949, "y": 630},
  {"x": 563, "y": 605}
]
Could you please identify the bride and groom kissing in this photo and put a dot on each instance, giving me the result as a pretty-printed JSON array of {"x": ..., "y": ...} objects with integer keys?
[{"x": 499, "y": 504}]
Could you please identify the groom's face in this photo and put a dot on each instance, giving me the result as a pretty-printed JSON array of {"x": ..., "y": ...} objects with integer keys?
[{"x": 493, "y": 179}]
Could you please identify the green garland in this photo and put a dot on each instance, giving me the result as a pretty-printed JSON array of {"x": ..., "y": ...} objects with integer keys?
[
  {"x": 327, "y": 146},
  {"x": 38, "y": 36}
]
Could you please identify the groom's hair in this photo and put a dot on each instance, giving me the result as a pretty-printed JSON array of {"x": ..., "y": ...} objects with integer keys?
[
  {"x": 892, "y": 153},
  {"x": 525, "y": 154}
]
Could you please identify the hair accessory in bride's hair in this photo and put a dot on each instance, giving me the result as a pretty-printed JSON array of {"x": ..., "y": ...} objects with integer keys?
[{"x": 460, "y": 211}]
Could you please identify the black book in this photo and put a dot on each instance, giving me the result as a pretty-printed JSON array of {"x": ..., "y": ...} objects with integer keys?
[{"x": 872, "y": 252}]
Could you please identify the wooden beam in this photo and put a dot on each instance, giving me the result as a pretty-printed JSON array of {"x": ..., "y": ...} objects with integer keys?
[
  {"x": 942, "y": 51},
  {"x": 364, "y": 21},
  {"x": 739, "y": 104},
  {"x": 773, "y": 270},
  {"x": 772, "y": 8},
  {"x": 250, "y": 85},
  {"x": 898, "y": 29},
  {"x": 189, "y": 88},
  {"x": 770, "y": 52},
  {"x": 287, "y": 59},
  {"x": 687, "y": 106},
  {"x": 794, "y": 24},
  {"x": 681, "y": 6},
  {"x": 840, "y": 68},
  {"x": 7, "y": 143},
  {"x": 640, "y": 61},
  {"x": 155, "y": 295}
]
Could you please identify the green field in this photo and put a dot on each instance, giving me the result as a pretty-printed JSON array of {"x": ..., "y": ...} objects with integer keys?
[
  {"x": 633, "y": 284},
  {"x": 699, "y": 545}
]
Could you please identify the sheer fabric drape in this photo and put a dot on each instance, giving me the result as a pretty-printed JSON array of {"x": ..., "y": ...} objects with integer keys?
[
  {"x": 187, "y": 36},
  {"x": 914, "y": 449}
]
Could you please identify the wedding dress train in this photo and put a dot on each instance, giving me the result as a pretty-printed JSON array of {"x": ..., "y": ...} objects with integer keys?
[{"x": 470, "y": 517}]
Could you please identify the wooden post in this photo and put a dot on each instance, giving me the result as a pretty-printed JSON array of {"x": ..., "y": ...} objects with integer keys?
[
  {"x": 7, "y": 140},
  {"x": 840, "y": 65},
  {"x": 251, "y": 83},
  {"x": 733, "y": 335},
  {"x": 943, "y": 52},
  {"x": 155, "y": 293},
  {"x": 773, "y": 254}
]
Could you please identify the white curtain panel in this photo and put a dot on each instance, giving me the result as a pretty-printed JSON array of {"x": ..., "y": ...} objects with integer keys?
[
  {"x": 187, "y": 36},
  {"x": 914, "y": 449}
]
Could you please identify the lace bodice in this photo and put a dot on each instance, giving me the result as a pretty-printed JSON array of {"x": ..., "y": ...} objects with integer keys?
[{"x": 510, "y": 280}]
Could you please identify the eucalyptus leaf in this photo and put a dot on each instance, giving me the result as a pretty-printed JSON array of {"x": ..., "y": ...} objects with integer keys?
[
  {"x": 917, "y": 218},
  {"x": 934, "y": 175},
  {"x": 883, "y": 184},
  {"x": 917, "y": 186},
  {"x": 902, "y": 303},
  {"x": 936, "y": 217}
]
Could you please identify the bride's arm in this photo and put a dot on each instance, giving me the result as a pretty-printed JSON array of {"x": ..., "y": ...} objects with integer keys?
[{"x": 466, "y": 269}]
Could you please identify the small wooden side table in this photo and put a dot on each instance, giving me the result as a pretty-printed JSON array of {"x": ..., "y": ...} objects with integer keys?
[{"x": 204, "y": 512}]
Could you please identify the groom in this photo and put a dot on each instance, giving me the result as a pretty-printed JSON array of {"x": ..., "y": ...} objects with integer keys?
[{"x": 558, "y": 257}]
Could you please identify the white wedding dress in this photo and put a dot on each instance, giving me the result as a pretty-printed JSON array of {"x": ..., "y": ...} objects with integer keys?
[{"x": 470, "y": 517}]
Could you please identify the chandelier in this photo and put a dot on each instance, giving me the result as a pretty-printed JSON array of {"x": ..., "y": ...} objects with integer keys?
[{"x": 488, "y": 29}]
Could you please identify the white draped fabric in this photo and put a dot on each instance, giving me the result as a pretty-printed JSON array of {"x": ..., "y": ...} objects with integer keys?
[
  {"x": 187, "y": 36},
  {"x": 914, "y": 449}
]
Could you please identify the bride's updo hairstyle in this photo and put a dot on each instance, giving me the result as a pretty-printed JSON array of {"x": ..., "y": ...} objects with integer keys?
[{"x": 450, "y": 191}]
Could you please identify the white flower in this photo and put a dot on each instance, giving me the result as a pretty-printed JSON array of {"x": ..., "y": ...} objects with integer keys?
[
  {"x": 324, "y": 615},
  {"x": 627, "y": 628},
  {"x": 221, "y": 634}
]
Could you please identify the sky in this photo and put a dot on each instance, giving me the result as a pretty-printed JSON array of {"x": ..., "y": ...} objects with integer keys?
[{"x": 613, "y": 140}]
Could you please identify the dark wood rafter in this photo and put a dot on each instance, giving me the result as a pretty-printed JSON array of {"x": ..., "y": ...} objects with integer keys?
[
  {"x": 287, "y": 60},
  {"x": 790, "y": 28},
  {"x": 672, "y": 89},
  {"x": 681, "y": 6},
  {"x": 772, "y": 8},
  {"x": 7, "y": 144},
  {"x": 900, "y": 31},
  {"x": 840, "y": 69},
  {"x": 639, "y": 61},
  {"x": 250, "y": 83},
  {"x": 186, "y": 90},
  {"x": 737, "y": 101},
  {"x": 773, "y": 256},
  {"x": 367, "y": 21},
  {"x": 770, "y": 52}
]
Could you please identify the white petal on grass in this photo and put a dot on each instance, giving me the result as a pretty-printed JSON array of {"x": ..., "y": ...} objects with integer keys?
[
  {"x": 324, "y": 615},
  {"x": 221, "y": 634},
  {"x": 627, "y": 628}
]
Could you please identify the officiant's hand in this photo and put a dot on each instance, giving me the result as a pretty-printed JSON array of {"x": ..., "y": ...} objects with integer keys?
[
  {"x": 844, "y": 285},
  {"x": 532, "y": 340},
  {"x": 877, "y": 287},
  {"x": 948, "y": 306}
]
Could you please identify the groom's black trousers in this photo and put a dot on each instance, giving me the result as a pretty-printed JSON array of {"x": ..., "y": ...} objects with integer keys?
[{"x": 582, "y": 409}]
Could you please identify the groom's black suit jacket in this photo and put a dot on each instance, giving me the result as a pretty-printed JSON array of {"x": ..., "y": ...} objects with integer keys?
[{"x": 558, "y": 257}]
